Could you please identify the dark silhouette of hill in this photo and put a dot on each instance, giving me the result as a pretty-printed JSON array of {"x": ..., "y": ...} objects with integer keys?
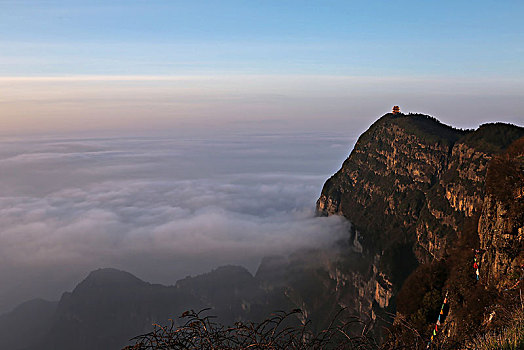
[
  {"x": 110, "y": 306},
  {"x": 26, "y": 324}
]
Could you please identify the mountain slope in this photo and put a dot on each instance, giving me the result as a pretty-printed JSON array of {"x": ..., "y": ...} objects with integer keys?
[{"x": 414, "y": 190}]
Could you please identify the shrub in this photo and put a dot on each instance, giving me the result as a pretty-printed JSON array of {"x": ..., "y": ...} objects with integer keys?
[
  {"x": 282, "y": 330},
  {"x": 508, "y": 338}
]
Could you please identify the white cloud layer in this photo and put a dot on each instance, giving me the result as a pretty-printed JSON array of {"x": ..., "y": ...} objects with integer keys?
[{"x": 162, "y": 208}]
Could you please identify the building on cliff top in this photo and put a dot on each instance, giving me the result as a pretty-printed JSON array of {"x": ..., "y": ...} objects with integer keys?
[{"x": 396, "y": 110}]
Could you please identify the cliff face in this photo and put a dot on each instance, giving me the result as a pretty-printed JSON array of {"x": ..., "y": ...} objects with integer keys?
[
  {"x": 383, "y": 182},
  {"x": 409, "y": 187},
  {"x": 459, "y": 192},
  {"x": 501, "y": 224},
  {"x": 501, "y": 237},
  {"x": 382, "y": 188}
]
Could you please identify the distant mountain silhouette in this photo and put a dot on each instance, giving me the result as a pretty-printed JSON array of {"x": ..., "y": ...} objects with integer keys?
[
  {"x": 109, "y": 307},
  {"x": 26, "y": 324}
]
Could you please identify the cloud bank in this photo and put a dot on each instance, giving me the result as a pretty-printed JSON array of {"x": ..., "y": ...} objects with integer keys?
[{"x": 162, "y": 208}]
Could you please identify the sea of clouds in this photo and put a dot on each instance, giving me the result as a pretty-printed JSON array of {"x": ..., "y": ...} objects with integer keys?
[{"x": 161, "y": 207}]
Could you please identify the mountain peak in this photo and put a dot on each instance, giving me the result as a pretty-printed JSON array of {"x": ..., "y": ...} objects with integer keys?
[{"x": 108, "y": 277}]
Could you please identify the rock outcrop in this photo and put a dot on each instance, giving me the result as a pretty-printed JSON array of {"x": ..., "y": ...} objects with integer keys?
[
  {"x": 501, "y": 223},
  {"x": 410, "y": 187}
]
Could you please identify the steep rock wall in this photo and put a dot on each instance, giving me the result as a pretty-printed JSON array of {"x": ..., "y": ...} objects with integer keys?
[
  {"x": 408, "y": 187},
  {"x": 381, "y": 186},
  {"x": 501, "y": 224}
]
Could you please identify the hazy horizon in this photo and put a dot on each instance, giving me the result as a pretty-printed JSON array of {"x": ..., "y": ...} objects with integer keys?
[
  {"x": 111, "y": 66},
  {"x": 92, "y": 105}
]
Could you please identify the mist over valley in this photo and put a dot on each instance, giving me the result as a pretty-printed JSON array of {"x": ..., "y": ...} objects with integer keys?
[{"x": 159, "y": 207}]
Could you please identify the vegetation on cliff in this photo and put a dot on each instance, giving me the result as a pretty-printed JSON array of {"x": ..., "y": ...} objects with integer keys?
[{"x": 281, "y": 331}]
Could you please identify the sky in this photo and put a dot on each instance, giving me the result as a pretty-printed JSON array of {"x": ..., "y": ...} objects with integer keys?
[
  {"x": 168, "y": 137},
  {"x": 77, "y": 66}
]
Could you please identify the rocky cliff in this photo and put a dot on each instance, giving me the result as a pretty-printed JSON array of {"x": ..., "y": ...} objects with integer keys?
[
  {"x": 501, "y": 223},
  {"x": 415, "y": 191}
]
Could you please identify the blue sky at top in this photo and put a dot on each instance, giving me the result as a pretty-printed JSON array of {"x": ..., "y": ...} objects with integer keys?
[
  {"x": 316, "y": 65},
  {"x": 369, "y": 38}
]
